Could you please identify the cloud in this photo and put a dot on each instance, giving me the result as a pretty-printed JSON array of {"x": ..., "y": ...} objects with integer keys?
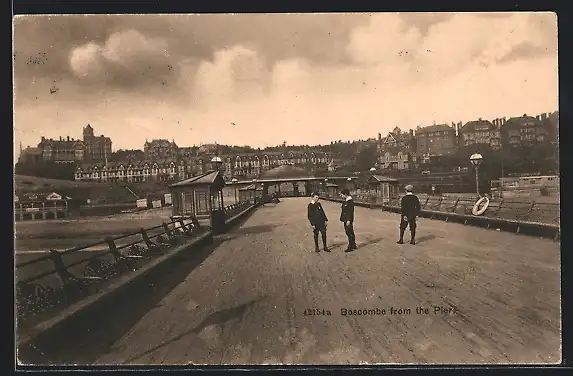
[
  {"x": 236, "y": 74},
  {"x": 449, "y": 46},
  {"x": 386, "y": 40},
  {"x": 87, "y": 60},
  {"x": 320, "y": 79},
  {"x": 127, "y": 57}
]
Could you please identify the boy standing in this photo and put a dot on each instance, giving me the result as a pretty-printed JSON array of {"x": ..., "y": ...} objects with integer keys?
[
  {"x": 410, "y": 209},
  {"x": 347, "y": 218},
  {"x": 318, "y": 221}
]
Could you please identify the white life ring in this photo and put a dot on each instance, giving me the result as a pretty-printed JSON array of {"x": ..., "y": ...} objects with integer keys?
[{"x": 476, "y": 210}]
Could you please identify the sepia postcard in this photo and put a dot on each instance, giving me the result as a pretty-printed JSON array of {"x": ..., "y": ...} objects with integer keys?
[{"x": 287, "y": 189}]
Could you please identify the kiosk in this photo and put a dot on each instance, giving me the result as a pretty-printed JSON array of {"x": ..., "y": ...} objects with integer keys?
[{"x": 201, "y": 196}]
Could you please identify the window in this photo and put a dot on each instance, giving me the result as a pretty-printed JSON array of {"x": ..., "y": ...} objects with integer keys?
[{"x": 202, "y": 202}]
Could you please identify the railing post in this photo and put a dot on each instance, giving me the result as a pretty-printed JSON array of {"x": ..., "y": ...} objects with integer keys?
[
  {"x": 167, "y": 230},
  {"x": 63, "y": 273},
  {"x": 499, "y": 208},
  {"x": 146, "y": 239},
  {"x": 113, "y": 249},
  {"x": 185, "y": 229},
  {"x": 455, "y": 205},
  {"x": 65, "y": 276},
  {"x": 439, "y": 206}
]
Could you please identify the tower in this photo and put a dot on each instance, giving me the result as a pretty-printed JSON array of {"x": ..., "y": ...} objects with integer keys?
[{"x": 88, "y": 132}]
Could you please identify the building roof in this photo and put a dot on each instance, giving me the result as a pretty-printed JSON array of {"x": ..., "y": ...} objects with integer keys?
[
  {"x": 31, "y": 150},
  {"x": 64, "y": 143},
  {"x": 435, "y": 128},
  {"x": 40, "y": 196},
  {"x": 381, "y": 179},
  {"x": 471, "y": 125},
  {"x": 553, "y": 118},
  {"x": 286, "y": 172},
  {"x": 522, "y": 121},
  {"x": 160, "y": 143},
  {"x": 213, "y": 178},
  {"x": 252, "y": 187}
]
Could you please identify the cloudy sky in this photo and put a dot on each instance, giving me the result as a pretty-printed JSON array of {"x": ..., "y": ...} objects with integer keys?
[{"x": 264, "y": 79}]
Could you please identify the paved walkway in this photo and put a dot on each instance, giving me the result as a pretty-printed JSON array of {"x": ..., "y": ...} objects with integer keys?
[{"x": 498, "y": 293}]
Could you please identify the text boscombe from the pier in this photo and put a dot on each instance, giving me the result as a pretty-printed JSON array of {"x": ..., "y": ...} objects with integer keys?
[{"x": 376, "y": 311}]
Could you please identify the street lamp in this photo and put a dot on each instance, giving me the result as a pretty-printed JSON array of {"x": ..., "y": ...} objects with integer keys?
[
  {"x": 476, "y": 161},
  {"x": 255, "y": 188},
  {"x": 235, "y": 181}
]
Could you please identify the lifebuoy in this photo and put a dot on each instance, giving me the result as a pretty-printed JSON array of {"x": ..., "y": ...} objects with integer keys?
[{"x": 476, "y": 210}]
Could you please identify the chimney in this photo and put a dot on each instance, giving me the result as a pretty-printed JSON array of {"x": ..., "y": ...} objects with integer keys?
[
  {"x": 379, "y": 136},
  {"x": 68, "y": 138},
  {"x": 43, "y": 138},
  {"x": 60, "y": 138}
]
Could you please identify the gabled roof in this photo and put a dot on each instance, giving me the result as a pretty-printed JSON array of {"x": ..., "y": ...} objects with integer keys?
[
  {"x": 41, "y": 196},
  {"x": 251, "y": 187},
  {"x": 435, "y": 128},
  {"x": 381, "y": 179},
  {"x": 471, "y": 125},
  {"x": 213, "y": 178},
  {"x": 520, "y": 121},
  {"x": 390, "y": 137}
]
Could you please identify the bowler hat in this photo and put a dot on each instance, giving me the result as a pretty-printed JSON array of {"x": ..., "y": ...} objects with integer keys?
[{"x": 409, "y": 188}]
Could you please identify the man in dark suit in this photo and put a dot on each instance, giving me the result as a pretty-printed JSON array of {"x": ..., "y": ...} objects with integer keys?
[
  {"x": 410, "y": 209},
  {"x": 318, "y": 221},
  {"x": 347, "y": 218}
]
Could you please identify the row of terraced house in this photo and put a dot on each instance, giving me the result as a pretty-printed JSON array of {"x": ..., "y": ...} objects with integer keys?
[
  {"x": 242, "y": 166},
  {"x": 403, "y": 150}
]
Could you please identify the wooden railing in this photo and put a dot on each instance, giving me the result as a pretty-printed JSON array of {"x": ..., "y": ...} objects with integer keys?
[
  {"x": 517, "y": 215},
  {"x": 236, "y": 208},
  {"x": 53, "y": 281},
  {"x": 57, "y": 279}
]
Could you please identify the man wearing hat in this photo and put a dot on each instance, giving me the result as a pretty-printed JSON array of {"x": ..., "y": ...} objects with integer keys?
[
  {"x": 318, "y": 220},
  {"x": 410, "y": 209},
  {"x": 347, "y": 218}
]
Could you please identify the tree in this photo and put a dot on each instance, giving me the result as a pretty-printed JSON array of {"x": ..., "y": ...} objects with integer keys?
[{"x": 366, "y": 158}]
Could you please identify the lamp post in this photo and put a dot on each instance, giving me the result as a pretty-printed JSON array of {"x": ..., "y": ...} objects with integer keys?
[
  {"x": 234, "y": 181},
  {"x": 255, "y": 187},
  {"x": 476, "y": 161}
]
